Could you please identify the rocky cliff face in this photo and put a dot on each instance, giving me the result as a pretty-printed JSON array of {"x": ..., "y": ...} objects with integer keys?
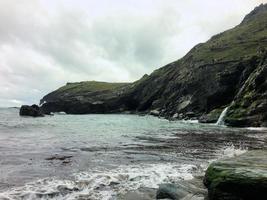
[
  {"x": 249, "y": 107},
  {"x": 230, "y": 66},
  {"x": 86, "y": 97}
]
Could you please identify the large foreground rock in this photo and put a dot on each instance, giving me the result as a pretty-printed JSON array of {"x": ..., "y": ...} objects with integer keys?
[
  {"x": 239, "y": 178},
  {"x": 33, "y": 111}
]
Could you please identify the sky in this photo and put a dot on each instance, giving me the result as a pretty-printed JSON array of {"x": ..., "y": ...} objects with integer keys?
[{"x": 46, "y": 43}]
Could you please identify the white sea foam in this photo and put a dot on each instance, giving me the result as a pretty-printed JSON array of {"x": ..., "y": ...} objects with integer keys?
[
  {"x": 59, "y": 113},
  {"x": 190, "y": 121},
  {"x": 232, "y": 151},
  {"x": 103, "y": 184},
  {"x": 257, "y": 128},
  {"x": 228, "y": 151}
]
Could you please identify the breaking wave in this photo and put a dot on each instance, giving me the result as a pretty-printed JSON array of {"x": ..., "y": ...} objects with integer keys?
[{"x": 102, "y": 184}]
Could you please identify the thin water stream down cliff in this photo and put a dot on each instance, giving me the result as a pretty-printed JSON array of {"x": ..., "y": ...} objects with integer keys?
[{"x": 222, "y": 116}]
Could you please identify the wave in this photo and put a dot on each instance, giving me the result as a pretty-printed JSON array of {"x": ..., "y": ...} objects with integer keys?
[
  {"x": 189, "y": 121},
  {"x": 108, "y": 184},
  {"x": 228, "y": 151},
  {"x": 232, "y": 151},
  {"x": 58, "y": 113},
  {"x": 257, "y": 128},
  {"x": 103, "y": 184}
]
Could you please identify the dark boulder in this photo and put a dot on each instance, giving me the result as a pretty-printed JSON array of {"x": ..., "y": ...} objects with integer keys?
[{"x": 33, "y": 111}]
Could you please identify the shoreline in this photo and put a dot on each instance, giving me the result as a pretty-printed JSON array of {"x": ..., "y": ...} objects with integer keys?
[{"x": 37, "y": 112}]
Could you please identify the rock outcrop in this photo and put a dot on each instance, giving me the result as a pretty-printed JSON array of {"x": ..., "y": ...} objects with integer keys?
[
  {"x": 205, "y": 80},
  {"x": 249, "y": 107},
  {"x": 86, "y": 97},
  {"x": 33, "y": 111},
  {"x": 240, "y": 178}
]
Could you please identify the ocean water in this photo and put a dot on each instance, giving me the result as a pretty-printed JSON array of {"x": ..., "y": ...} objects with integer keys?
[{"x": 107, "y": 156}]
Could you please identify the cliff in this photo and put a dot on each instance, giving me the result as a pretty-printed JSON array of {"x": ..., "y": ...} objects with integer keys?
[{"x": 227, "y": 70}]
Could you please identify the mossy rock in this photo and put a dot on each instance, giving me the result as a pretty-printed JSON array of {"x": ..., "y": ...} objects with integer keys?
[{"x": 243, "y": 177}]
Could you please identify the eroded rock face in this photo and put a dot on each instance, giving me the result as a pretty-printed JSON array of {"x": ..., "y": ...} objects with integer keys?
[
  {"x": 249, "y": 107},
  {"x": 259, "y": 10},
  {"x": 240, "y": 178},
  {"x": 33, "y": 111},
  {"x": 87, "y": 97}
]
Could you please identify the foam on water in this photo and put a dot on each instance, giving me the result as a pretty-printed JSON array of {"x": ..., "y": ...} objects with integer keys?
[
  {"x": 124, "y": 153},
  {"x": 58, "y": 113},
  {"x": 232, "y": 151},
  {"x": 190, "y": 121},
  {"x": 228, "y": 151},
  {"x": 257, "y": 128},
  {"x": 108, "y": 184},
  {"x": 103, "y": 184}
]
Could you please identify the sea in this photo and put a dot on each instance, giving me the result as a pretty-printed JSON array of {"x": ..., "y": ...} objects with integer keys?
[{"x": 106, "y": 156}]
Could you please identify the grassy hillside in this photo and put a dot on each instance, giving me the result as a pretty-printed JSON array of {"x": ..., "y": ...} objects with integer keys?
[
  {"x": 89, "y": 90},
  {"x": 239, "y": 42},
  {"x": 89, "y": 86}
]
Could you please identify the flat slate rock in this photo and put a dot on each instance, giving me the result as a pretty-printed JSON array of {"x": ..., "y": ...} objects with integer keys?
[
  {"x": 140, "y": 194},
  {"x": 183, "y": 190},
  {"x": 239, "y": 178}
]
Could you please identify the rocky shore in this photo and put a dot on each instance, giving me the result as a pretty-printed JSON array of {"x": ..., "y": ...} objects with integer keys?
[{"x": 239, "y": 178}]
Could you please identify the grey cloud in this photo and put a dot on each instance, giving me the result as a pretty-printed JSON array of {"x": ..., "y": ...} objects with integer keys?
[{"x": 44, "y": 44}]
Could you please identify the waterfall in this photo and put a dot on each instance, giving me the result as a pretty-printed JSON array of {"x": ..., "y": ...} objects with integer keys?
[{"x": 221, "y": 118}]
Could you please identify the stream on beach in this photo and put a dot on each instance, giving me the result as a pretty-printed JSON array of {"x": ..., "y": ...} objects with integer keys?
[{"x": 108, "y": 156}]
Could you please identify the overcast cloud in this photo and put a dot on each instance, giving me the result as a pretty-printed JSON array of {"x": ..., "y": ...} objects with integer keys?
[{"x": 46, "y": 43}]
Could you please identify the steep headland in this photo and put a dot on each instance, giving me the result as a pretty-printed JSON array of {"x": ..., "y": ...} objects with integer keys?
[
  {"x": 85, "y": 97},
  {"x": 228, "y": 70}
]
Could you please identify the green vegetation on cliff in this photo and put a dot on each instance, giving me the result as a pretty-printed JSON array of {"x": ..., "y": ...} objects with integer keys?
[
  {"x": 85, "y": 88},
  {"x": 240, "y": 42},
  {"x": 250, "y": 104},
  {"x": 90, "y": 86}
]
